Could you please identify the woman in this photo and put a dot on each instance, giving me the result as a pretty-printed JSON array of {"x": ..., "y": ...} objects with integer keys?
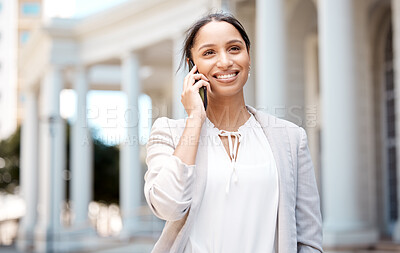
[{"x": 229, "y": 178}]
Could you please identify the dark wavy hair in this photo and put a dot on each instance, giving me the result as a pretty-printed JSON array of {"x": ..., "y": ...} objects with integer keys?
[{"x": 191, "y": 33}]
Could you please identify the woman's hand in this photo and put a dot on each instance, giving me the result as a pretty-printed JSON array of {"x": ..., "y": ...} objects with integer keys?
[{"x": 190, "y": 97}]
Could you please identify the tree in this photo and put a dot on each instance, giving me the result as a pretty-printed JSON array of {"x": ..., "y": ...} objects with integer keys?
[
  {"x": 9, "y": 162},
  {"x": 106, "y": 172}
]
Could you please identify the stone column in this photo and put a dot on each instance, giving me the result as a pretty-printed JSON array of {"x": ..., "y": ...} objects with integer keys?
[
  {"x": 312, "y": 102},
  {"x": 81, "y": 184},
  {"x": 29, "y": 170},
  {"x": 344, "y": 208},
  {"x": 130, "y": 166},
  {"x": 270, "y": 56},
  {"x": 51, "y": 163},
  {"x": 178, "y": 111},
  {"x": 396, "y": 67}
]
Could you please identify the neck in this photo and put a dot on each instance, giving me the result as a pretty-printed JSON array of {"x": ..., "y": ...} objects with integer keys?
[{"x": 227, "y": 113}]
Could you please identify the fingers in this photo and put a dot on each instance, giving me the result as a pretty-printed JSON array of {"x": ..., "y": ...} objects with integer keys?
[
  {"x": 187, "y": 80},
  {"x": 192, "y": 77},
  {"x": 196, "y": 83},
  {"x": 190, "y": 96},
  {"x": 200, "y": 77},
  {"x": 200, "y": 84},
  {"x": 193, "y": 91},
  {"x": 193, "y": 70},
  {"x": 192, "y": 83}
]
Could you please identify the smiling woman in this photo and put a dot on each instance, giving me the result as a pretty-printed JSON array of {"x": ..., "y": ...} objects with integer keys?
[
  {"x": 229, "y": 178},
  {"x": 224, "y": 60}
]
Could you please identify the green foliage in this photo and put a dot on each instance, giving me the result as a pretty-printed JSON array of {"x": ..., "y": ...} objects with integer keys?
[
  {"x": 9, "y": 162},
  {"x": 106, "y": 172}
]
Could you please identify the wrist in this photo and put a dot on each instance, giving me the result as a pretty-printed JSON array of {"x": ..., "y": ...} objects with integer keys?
[
  {"x": 197, "y": 115},
  {"x": 194, "y": 120}
]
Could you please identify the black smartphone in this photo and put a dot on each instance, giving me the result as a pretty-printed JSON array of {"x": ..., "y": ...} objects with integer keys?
[{"x": 202, "y": 90}]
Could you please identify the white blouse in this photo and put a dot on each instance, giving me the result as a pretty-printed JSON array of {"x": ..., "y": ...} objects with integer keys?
[{"x": 239, "y": 209}]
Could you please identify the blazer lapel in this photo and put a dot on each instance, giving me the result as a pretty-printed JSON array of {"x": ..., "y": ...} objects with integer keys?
[{"x": 278, "y": 139}]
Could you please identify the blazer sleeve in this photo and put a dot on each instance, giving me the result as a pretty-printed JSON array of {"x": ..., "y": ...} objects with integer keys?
[
  {"x": 308, "y": 214},
  {"x": 168, "y": 181}
]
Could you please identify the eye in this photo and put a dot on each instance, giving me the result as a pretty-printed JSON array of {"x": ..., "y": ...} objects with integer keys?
[
  {"x": 208, "y": 52},
  {"x": 235, "y": 48}
]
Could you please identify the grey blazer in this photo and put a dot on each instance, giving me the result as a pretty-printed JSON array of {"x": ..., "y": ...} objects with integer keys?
[{"x": 174, "y": 190}]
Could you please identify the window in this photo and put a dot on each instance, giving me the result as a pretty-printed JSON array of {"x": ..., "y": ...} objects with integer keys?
[
  {"x": 1, "y": 6},
  {"x": 30, "y": 9},
  {"x": 23, "y": 37}
]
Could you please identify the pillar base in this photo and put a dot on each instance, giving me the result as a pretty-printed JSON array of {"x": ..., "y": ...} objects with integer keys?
[
  {"x": 130, "y": 229},
  {"x": 396, "y": 232},
  {"x": 79, "y": 239},
  {"x": 47, "y": 242},
  {"x": 333, "y": 239},
  {"x": 25, "y": 242},
  {"x": 69, "y": 240}
]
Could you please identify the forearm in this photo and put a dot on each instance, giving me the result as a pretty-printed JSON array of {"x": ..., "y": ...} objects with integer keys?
[
  {"x": 188, "y": 144},
  {"x": 169, "y": 191},
  {"x": 168, "y": 181}
]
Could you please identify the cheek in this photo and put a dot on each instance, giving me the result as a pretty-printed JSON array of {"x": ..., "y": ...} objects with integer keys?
[
  {"x": 204, "y": 67},
  {"x": 244, "y": 60}
]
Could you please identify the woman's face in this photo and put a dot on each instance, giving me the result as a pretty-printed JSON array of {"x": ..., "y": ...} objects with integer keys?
[{"x": 220, "y": 54}]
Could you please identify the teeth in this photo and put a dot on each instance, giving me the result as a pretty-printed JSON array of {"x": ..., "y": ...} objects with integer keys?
[{"x": 226, "y": 76}]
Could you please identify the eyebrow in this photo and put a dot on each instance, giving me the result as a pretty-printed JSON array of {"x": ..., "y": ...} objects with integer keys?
[{"x": 229, "y": 42}]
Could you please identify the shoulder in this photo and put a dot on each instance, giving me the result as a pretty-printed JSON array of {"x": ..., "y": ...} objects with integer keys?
[
  {"x": 167, "y": 129},
  {"x": 272, "y": 122},
  {"x": 269, "y": 120},
  {"x": 173, "y": 126},
  {"x": 278, "y": 127},
  {"x": 164, "y": 122}
]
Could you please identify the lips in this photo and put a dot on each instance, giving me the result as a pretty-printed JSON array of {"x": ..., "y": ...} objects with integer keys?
[{"x": 225, "y": 76}]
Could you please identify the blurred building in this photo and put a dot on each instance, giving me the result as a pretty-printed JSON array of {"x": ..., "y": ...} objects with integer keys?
[
  {"x": 329, "y": 66},
  {"x": 17, "y": 20},
  {"x": 29, "y": 16},
  {"x": 8, "y": 63}
]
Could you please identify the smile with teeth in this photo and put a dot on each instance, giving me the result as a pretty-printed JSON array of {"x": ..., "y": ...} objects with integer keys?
[{"x": 226, "y": 76}]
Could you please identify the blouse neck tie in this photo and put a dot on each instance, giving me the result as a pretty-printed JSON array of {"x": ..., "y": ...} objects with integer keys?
[{"x": 232, "y": 153}]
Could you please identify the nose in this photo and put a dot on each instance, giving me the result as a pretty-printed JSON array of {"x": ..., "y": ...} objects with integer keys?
[{"x": 224, "y": 61}]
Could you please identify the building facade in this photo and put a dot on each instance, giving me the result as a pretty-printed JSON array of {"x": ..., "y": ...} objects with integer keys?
[
  {"x": 329, "y": 66},
  {"x": 17, "y": 20},
  {"x": 8, "y": 64}
]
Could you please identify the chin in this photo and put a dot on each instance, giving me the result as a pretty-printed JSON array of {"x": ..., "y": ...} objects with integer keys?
[{"x": 226, "y": 91}]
